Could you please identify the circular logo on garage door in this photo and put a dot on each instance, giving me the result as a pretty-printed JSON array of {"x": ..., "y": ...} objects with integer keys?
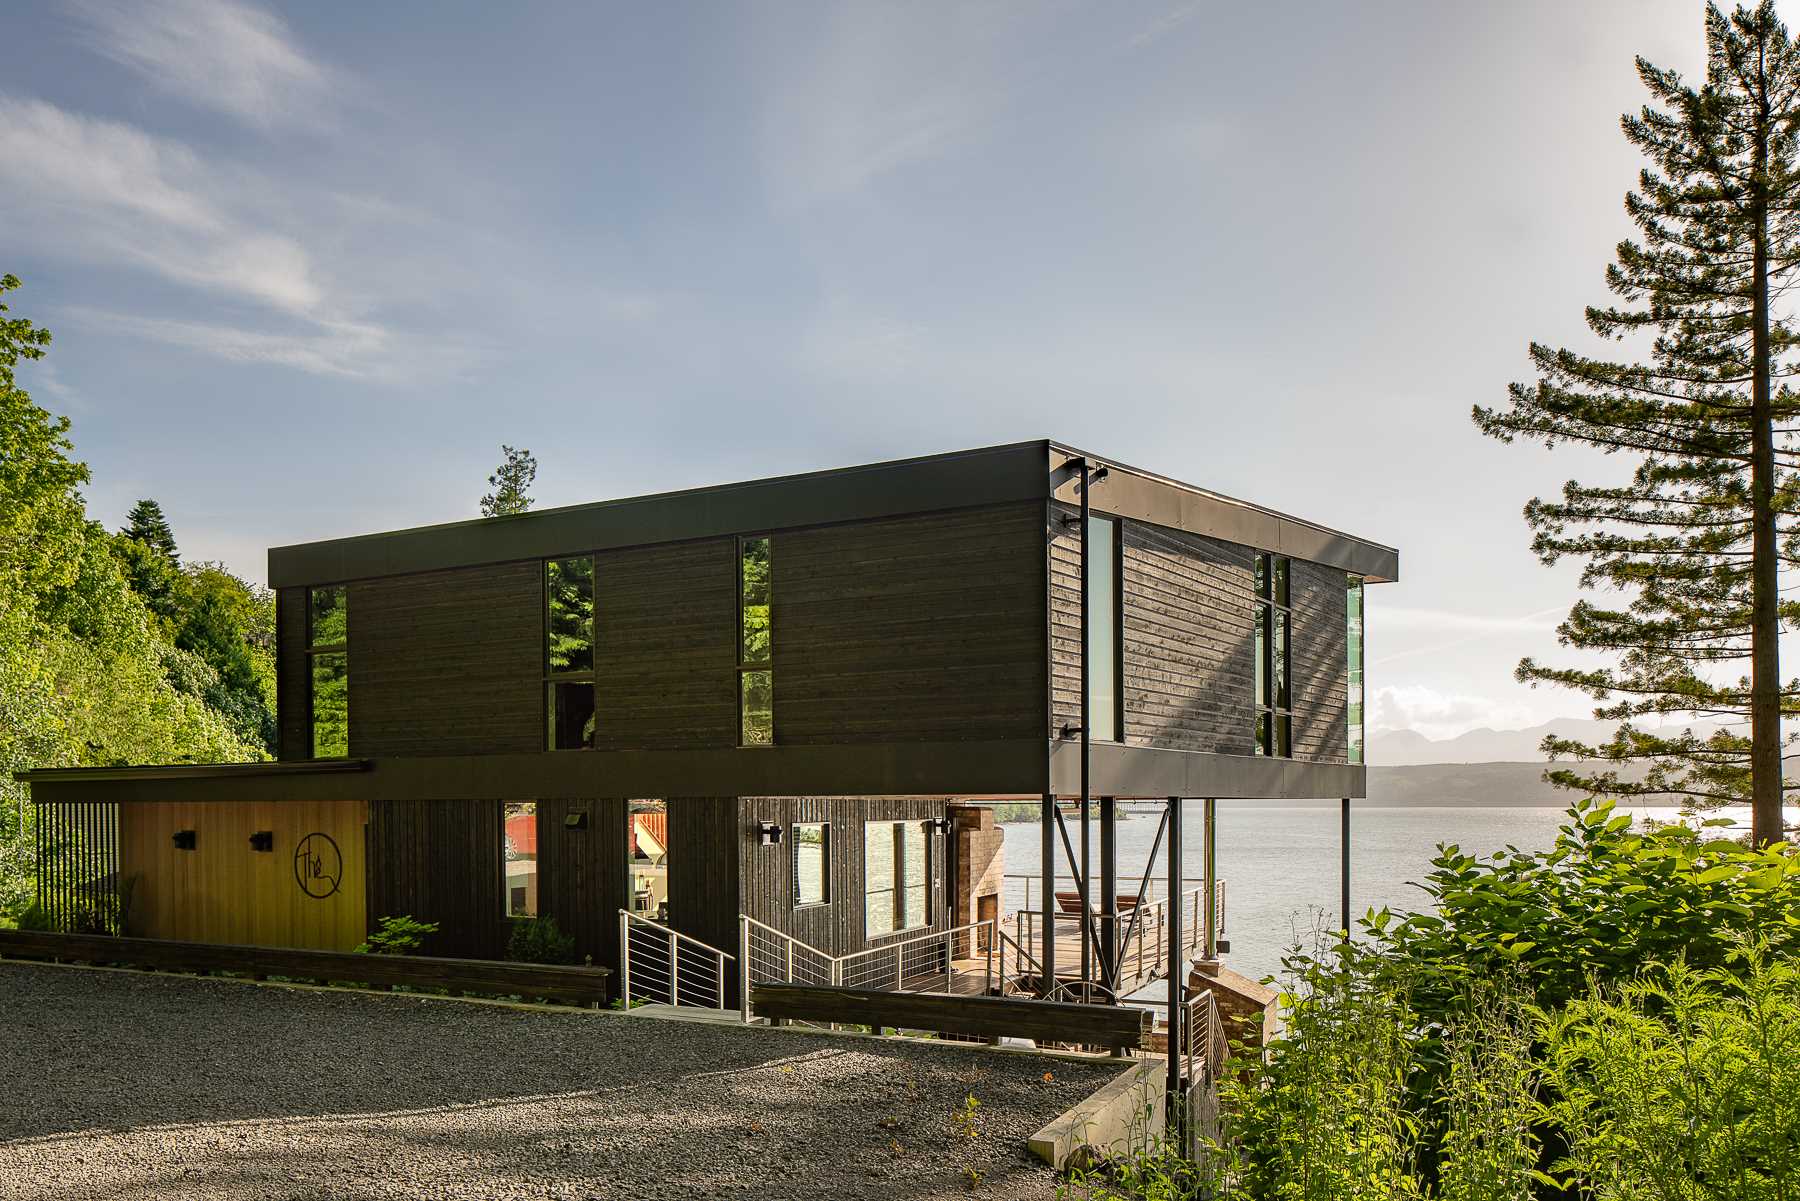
[{"x": 318, "y": 866}]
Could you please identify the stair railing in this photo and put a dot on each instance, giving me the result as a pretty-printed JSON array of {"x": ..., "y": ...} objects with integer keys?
[{"x": 662, "y": 965}]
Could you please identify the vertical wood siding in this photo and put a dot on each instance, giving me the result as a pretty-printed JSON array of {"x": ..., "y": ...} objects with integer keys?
[
  {"x": 223, "y": 891},
  {"x": 666, "y": 655},
  {"x": 1320, "y": 663},
  {"x": 582, "y": 873},
  {"x": 439, "y": 861},
  {"x": 920, "y": 628},
  {"x": 838, "y": 927},
  {"x": 705, "y": 834},
  {"x": 448, "y": 662},
  {"x": 292, "y": 721}
]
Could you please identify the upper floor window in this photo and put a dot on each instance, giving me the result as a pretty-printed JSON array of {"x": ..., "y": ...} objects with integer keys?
[
  {"x": 1105, "y": 681},
  {"x": 569, "y": 652},
  {"x": 1353, "y": 611},
  {"x": 756, "y": 675},
  {"x": 812, "y": 863},
  {"x": 1274, "y": 689},
  {"x": 328, "y": 670}
]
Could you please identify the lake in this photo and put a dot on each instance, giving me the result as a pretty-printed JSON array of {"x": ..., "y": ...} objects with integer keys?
[{"x": 1280, "y": 862}]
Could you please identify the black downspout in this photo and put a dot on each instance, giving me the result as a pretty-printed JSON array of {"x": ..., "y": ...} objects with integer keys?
[
  {"x": 1344, "y": 867},
  {"x": 1109, "y": 893},
  {"x": 1176, "y": 1104},
  {"x": 1087, "y": 949}
]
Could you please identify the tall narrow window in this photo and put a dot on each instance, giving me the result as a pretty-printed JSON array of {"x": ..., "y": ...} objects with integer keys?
[
  {"x": 519, "y": 857},
  {"x": 1105, "y": 710},
  {"x": 569, "y": 652},
  {"x": 812, "y": 863},
  {"x": 756, "y": 675},
  {"x": 896, "y": 877},
  {"x": 1353, "y": 612},
  {"x": 1274, "y": 690},
  {"x": 328, "y": 670}
]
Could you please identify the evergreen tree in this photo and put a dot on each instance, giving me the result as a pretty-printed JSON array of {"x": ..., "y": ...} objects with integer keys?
[
  {"x": 511, "y": 484},
  {"x": 1695, "y": 539},
  {"x": 146, "y": 524}
]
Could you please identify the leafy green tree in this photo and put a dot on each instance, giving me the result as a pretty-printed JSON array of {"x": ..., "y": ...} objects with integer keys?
[
  {"x": 511, "y": 484},
  {"x": 1697, "y": 535}
]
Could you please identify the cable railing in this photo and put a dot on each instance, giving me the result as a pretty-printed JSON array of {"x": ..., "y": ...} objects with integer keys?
[
  {"x": 923, "y": 963},
  {"x": 661, "y": 965},
  {"x": 1140, "y": 935}
]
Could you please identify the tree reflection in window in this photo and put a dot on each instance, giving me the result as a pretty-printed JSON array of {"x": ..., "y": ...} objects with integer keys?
[
  {"x": 756, "y": 676},
  {"x": 569, "y": 652},
  {"x": 328, "y": 670}
]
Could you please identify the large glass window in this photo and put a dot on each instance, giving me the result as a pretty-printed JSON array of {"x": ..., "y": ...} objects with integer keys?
[
  {"x": 647, "y": 857},
  {"x": 519, "y": 858},
  {"x": 896, "y": 877},
  {"x": 1274, "y": 732},
  {"x": 812, "y": 863},
  {"x": 328, "y": 670},
  {"x": 756, "y": 651},
  {"x": 1353, "y": 612},
  {"x": 1105, "y": 710},
  {"x": 569, "y": 652}
]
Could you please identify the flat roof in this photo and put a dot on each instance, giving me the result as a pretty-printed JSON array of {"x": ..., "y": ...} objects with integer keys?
[{"x": 1019, "y": 471}]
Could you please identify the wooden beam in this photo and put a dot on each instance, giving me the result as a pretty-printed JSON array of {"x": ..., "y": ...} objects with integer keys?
[{"x": 1117, "y": 1027}]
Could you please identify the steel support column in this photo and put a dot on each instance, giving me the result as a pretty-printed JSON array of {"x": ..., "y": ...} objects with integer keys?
[
  {"x": 1177, "y": 983},
  {"x": 1047, "y": 866},
  {"x": 1209, "y": 851},
  {"x": 1087, "y": 741},
  {"x": 1344, "y": 865},
  {"x": 1109, "y": 893}
]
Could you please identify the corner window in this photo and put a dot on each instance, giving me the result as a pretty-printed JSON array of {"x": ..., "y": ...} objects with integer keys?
[
  {"x": 569, "y": 652},
  {"x": 1353, "y": 615},
  {"x": 1105, "y": 683},
  {"x": 812, "y": 863},
  {"x": 1274, "y": 691},
  {"x": 328, "y": 670},
  {"x": 518, "y": 858},
  {"x": 756, "y": 675},
  {"x": 896, "y": 877}
]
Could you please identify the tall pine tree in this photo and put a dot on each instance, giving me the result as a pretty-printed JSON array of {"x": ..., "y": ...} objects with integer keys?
[
  {"x": 511, "y": 484},
  {"x": 146, "y": 524},
  {"x": 1694, "y": 542}
]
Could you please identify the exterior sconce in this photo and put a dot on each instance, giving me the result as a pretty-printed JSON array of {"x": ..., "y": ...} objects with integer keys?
[
  {"x": 768, "y": 834},
  {"x": 578, "y": 820},
  {"x": 263, "y": 840},
  {"x": 184, "y": 840},
  {"x": 938, "y": 825}
]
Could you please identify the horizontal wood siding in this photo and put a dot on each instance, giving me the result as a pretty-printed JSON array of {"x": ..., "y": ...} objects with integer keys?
[
  {"x": 1320, "y": 662},
  {"x": 439, "y": 861},
  {"x": 913, "y": 629},
  {"x": 837, "y": 927},
  {"x": 667, "y": 650},
  {"x": 448, "y": 662},
  {"x": 293, "y": 723}
]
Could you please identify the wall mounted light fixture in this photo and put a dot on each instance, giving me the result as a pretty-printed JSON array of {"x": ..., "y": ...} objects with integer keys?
[
  {"x": 768, "y": 834},
  {"x": 262, "y": 840},
  {"x": 184, "y": 840},
  {"x": 578, "y": 820}
]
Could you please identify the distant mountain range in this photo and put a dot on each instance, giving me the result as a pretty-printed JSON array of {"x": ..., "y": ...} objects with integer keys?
[{"x": 1403, "y": 748}]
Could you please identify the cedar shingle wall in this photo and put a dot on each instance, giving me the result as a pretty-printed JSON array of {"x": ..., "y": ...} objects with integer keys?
[{"x": 926, "y": 628}]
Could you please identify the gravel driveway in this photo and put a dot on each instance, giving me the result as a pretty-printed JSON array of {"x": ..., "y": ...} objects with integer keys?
[{"x": 129, "y": 1085}]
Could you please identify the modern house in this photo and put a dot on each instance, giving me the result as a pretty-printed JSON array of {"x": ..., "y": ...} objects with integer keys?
[{"x": 778, "y": 698}]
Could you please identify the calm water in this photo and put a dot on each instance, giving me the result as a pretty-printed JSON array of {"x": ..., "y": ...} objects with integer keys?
[{"x": 1281, "y": 863}]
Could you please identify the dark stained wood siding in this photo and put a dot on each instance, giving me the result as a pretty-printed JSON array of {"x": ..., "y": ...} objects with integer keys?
[
  {"x": 448, "y": 662},
  {"x": 582, "y": 873},
  {"x": 292, "y": 724},
  {"x": 667, "y": 655},
  {"x": 439, "y": 861},
  {"x": 836, "y": 927},
  {"x": 1319, "y": 659},
  {"x": 704, "y": 838},
  {"x": 925, "y": 628}
]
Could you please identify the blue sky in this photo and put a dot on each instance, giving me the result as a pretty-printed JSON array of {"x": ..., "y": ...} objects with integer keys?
[{"x": 308, "y": 267}]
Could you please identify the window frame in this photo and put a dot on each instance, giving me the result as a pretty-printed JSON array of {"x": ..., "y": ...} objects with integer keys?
[
  {"x": 897, "y": 831},
  {"x": 749, "y": 667},
  {"x": 537, "y": 861},
  {"x": 316, "y": 651},
  {"x": 1356, "y": 667},
  {"x": 824, "y": 864},
  {"x": 1272, "y": 592},
  {"x": 589, "y": 676}
]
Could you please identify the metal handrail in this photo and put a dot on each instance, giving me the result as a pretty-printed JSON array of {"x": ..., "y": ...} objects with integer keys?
[
  {"x": 833, "y": 965},
  {"x": 669, "y": 984}
]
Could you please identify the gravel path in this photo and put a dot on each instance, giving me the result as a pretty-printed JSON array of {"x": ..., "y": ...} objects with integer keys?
[{"x": 129, "y": 1085}]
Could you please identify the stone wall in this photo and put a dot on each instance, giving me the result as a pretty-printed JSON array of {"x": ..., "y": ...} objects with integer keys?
[{"x": 980, "y": 868}]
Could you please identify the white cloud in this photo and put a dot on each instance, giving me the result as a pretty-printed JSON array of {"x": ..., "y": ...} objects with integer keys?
[
  {"x": 1437, "y": 714},
  {"x": 219, "y": 54},
  {"x": 1399, "y": 618}
]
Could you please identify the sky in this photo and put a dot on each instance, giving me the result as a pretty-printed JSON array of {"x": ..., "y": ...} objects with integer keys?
[{"x": 308, "y": 267}]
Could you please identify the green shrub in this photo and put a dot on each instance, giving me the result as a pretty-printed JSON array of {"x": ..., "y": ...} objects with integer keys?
[
  {"x": 33, "y": 917},
  {"x": 397, "y": 936},
  {"x": 537, "y": 940}
]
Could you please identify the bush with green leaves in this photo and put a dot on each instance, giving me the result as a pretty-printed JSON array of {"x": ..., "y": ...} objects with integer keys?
[
  {"x": 538, "y": 940},
  {"x": 402, "y": 935}
]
